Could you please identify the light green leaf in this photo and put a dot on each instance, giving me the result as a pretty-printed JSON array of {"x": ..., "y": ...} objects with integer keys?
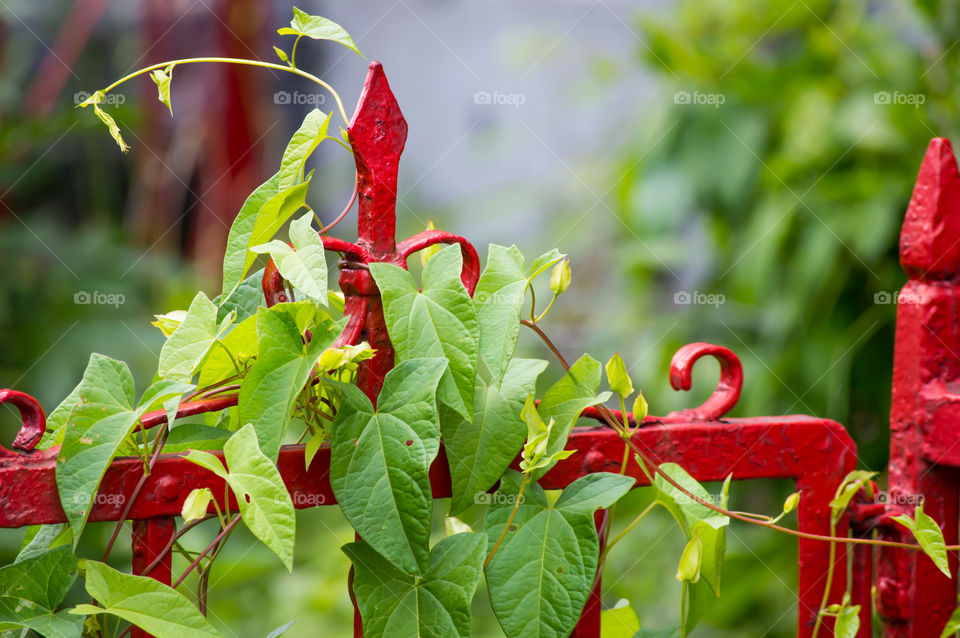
[
  {"x": 560, "y": 277},
  {"x": 304, "y": 265},
  {"x": 498, "y": 300},
  {"x": 566, "y": 399},
  {"x": 240, "y": 343},
  {"x": 41, "y": 538},
  {"x": 195, "y": 436},
  {"x": 165, "y": 393},
  {"x": 235, "y": 259},
  {"x": 689, "y": 568},
  {"x": 95, "y": 429},
  {"x": 282, "y": 629},
  {"x": 594, "y": 492},
  {"x": 395, "y": 604},
  {"x": 265, "y": 211},
  {"x": 312, "y": 131},
  {"x": 318, "y": 28},
  {"x": 264, "y": 502},
  {"x": 147, "y": 603},
  {"x": 480, "y": 450},
  {"x": 381, "y": 459},
  {"x": 57, "y": 420},
  {"x": 545, "y": 261},
  {"x": 439, "y": 322},
  {"x": 851, "y": 484},
  {"x": 281, "y": 54},
  {"x": 928, "y": 534},
  {"x": 43, "y": 579},
  {"x": 697, "y": 520},
  {"x": 848, "y": 622},
  {"x": 619, "y": 622},
  {"x": 618, "y": 377},
  {"x": 312, "y": 447},
  {"x": 244, "y": 300},
  {"x": 269, "y": 390},
  {"x": 111, "y": 126},
  {"x": 541, "y": 575},
  {"x": 169, "y": 321},
  {"x": 196, "y": 504},
  {"x": 162, "y": 79},
  {"x": 185, "y": 350}
]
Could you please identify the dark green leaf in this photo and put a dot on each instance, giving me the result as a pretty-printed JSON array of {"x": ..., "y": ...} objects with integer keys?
[
  {"x": 381, "y": 459},
  {"x": 480, "y": 450},
  {"x": 395, "y": 604},
  {"x": 439, "y": 322}
]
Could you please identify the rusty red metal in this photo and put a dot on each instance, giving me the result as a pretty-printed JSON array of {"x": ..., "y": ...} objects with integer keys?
[{"x": 913, "y": 598}]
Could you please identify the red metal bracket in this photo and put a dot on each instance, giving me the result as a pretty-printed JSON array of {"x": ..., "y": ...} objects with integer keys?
[{"x": 34, "y": 421}]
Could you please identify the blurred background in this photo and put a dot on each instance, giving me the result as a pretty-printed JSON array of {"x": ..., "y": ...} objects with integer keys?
[{"x": 717, "y": 170}]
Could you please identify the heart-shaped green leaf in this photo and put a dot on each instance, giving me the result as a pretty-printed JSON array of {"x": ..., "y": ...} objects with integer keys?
[
  {"x": 381, "y": 460},
  {"x": 437, "y": 605},
  {"x": 439, "y": 322},
  {"x": 147, "y": 603},
  {"x": 541, "y": 574}
]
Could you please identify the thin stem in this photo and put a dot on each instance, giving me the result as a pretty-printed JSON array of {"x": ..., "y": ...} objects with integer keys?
[
  {"x": 346, "y": 209},
  {"x": 158, "y": 447},
  {"x": 230, "y": 356},
  {"x": 241, "y": 61},
  {"x": 207, "y": 389},
  {"x": 223, "y": 533},
  {"x": 533, "y": 303},
  {"x": 553, "y": 348},
  {"x": 826, "y": 590},
  {"x": 683, "y": 610},
  {"x": 629, "y": 527},
  {"x": 186, "y": 528},
  {"x": 613, "y": 423},
  {"x": 545, "y": 310},
  {"x": 293, "y": 53},
  {"x": 506, "y": 528}
]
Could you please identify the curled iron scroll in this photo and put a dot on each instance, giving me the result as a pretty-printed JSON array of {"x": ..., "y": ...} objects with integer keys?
[
  {"x": 34, "y": 420},
  {"x": 727, "y": 392}
]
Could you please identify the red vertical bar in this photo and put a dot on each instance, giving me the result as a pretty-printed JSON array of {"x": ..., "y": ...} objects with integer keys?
[
  {"x": 813, "y": 516},
  {"x": 914, "y": 598},
  {"x": 150, "y": 538},
  {"x": 861, "y": 584},
  {"x": 589, "y": 624},
  {"x": 377, "y": 133}
]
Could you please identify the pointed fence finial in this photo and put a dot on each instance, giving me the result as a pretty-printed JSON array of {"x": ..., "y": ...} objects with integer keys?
[
  {"x": 930, "y": 238},
  {"x": 378, "y": 133}
]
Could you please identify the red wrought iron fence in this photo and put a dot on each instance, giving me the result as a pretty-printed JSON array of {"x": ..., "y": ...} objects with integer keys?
[{"x": 912, "y": 597}]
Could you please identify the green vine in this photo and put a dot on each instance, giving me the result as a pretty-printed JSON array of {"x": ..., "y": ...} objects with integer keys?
[{"x": 280, "y": 377}]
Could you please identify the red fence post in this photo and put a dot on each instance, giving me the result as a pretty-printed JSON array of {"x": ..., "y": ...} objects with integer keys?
[
  {"x": 150, "y": 539},
  {"x": 914, "y": 598}
]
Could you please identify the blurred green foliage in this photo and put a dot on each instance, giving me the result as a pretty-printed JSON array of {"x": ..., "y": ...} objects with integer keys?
[
  {"x": 787, "y": 196},
  {"x": 786, "y": 199}
]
